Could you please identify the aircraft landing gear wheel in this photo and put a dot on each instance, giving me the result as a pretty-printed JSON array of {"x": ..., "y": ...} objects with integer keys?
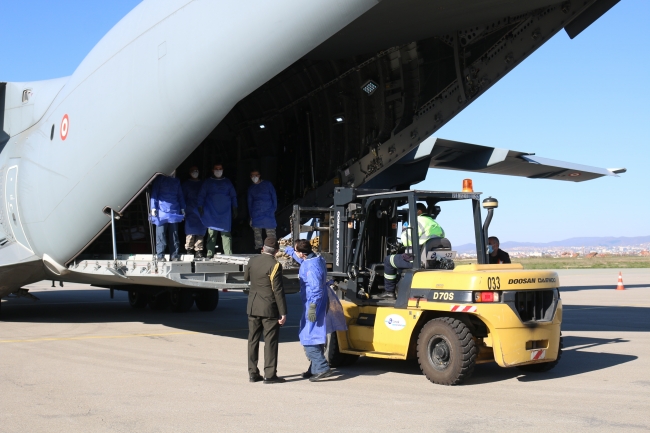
[
  {"x": 334, "y": 357},
  {"x": 137, "y": 299},
  {"x": 446, "y": 351},
  {"x": 546, "y": 366},
  {"x": 181, "y": 300},
  {"x": 207, "y": 299},
  {"x": 159, "y": 302}
]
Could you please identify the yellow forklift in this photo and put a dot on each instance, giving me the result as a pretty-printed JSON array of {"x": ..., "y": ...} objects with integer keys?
[{"x": 448, "y": 317}]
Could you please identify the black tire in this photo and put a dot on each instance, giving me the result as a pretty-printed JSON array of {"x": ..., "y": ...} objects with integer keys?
[
  {"x": 545, "y": 366},
  {"x": 137, "y": 299},
  {"x": 207, "y": 300},
  {"x": 334, "y": 357},
  {"x": 181, "y": 300},
  {"x": 446, "y": 351},
  {"x": 159, "y": 302}
]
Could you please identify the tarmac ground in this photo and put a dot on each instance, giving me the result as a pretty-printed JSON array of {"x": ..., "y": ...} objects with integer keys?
[{"x": 77, "y": 360}]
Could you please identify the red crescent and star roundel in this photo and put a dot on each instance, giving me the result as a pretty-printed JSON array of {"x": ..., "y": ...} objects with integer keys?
[{"x": 65, "y": 127}]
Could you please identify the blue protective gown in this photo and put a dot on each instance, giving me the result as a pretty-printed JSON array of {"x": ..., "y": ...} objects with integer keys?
[
  {"x": 314, "y": 290},
  {"x": 167, "y": 198},
  {"x": 217, "y": 197},
  {"x": 193, "y": 224},
  {"x": 262, "y": 204}
]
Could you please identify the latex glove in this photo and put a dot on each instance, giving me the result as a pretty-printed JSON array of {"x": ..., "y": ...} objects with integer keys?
[
  {"x": 200, "y": 211},
  {"x": 289, "y": 250},
  {"x": 154, "y": 212},
  {"x": 311, "y": 314},
  {"x": 183, "y": 212},
  {"x": 234, "y": 213}
]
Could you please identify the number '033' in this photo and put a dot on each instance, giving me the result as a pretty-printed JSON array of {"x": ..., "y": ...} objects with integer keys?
[{"x": 494, "y": 283}]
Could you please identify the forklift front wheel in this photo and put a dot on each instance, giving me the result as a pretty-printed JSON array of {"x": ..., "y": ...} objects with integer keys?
[{"x": 446, "y": 351}]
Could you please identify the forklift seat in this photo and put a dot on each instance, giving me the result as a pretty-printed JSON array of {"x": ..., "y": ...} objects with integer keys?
[{"x": 433, "y": 244}]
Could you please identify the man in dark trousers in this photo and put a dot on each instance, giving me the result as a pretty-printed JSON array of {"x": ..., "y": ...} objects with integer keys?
[{"x": 267, "y": 310}]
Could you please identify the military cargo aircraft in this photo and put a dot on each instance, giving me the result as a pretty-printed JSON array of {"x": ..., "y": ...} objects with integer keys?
[{"x": 316, "y": 94}]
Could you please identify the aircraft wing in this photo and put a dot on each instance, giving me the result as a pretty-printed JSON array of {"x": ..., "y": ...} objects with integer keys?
[{"x": 455, "y": 155}]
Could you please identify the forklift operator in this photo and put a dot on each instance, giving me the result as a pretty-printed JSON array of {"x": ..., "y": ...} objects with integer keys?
[{"x": 427, "y": 228}]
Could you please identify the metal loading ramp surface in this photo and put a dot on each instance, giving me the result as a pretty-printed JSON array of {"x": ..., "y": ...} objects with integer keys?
[{"x": 222, "y": 272}]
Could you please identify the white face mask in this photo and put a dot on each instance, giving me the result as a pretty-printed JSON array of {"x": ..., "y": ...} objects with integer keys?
[
  {"x": 218, "y": 173},
  {"x": 194, "y": 174},
  {"x": 255, "y": 179}
]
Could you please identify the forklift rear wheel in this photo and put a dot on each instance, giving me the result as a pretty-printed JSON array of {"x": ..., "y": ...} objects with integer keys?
[
  {"x": 207, "y": 299},
  {"x": 137, "y": 299},
  {"x": 334, "y": 357},
  {"x": 546, "y": 366},
  {"x": 159, "y": 302},
  {"x": 181, "y": 300},
  {"x": 446, "y": 351}
]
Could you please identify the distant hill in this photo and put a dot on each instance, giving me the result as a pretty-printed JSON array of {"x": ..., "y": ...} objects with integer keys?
[{"x": 608, "y": 241}]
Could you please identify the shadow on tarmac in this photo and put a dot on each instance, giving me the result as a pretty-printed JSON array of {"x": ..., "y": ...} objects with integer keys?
[
  {"x": 95, "y": 306},
  {"x": 230, "y": 320},
  {"x": 577, "y": 361},
  {"x": 574, "y": 361},
  {"x": 605, "y": 318}
]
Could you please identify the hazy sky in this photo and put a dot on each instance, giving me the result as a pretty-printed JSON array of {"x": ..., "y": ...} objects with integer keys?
[{"x": 584, "y": 100}]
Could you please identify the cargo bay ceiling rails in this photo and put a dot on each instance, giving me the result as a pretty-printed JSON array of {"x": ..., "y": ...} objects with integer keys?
[
  {"x": 348, "y": 120},
  {"x": 329, "y": 121}
]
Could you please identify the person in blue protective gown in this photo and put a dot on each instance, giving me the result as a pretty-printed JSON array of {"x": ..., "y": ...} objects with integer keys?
[
  {"x": 217, "y": 204},
  {"x": 167, "y": 210},
  {"x": 262, "y": 204},
  {"x": 194, "y": 228},
  {"x": 322, "y": 313}
]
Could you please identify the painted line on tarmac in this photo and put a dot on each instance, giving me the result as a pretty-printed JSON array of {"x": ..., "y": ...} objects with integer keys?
[
  {"x": 108, "y": 337},
  {"x": 246, "y": 329},
  {"x": 97, "y": 337},
  {"x": 44, "y": 303},
  {"x": 569, "y": 308}
]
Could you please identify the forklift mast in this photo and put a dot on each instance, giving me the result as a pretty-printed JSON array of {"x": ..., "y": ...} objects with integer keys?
[
  {"x": 355, "y": 232},
  {"x": 337, "y": 227},
  {"x": 350, "y": 214}
]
